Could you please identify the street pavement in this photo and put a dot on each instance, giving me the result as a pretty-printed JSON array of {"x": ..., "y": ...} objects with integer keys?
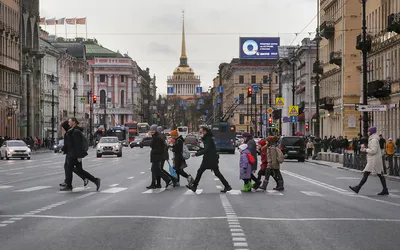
[{"x": 316, "y": 210}]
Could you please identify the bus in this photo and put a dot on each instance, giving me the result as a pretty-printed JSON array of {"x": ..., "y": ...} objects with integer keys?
[
  {"x": 143, "y": 129},
  {"x": 183, "y": 131},
  {"x": 120, "y": 132},
  {"x": 132, "y": 130},
  {"x": 224, "y": 137}
]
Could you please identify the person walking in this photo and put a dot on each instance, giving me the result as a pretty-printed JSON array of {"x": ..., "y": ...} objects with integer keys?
[
  {"x": 374, "y": 162},
  {"x": 275, "y": 158},
  {"x": 179, "y": 162},
  {"x": 166, "y": 158},
  {"x": 66, "y": 127},
  {"x": 157, "y": 156},
  {"x": 245, "y": 167},
  {"x": 252, "y": 147},
  {"x": 210, "y": 161},
  {"x": 75, "y": 153}
]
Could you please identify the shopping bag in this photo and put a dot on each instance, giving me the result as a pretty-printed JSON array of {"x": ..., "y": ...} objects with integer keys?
[{"x": 171, "y": 170}]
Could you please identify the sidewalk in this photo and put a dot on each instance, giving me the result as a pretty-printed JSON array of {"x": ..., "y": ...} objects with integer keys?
[
  {"x": 340, "y": 166},
  {"x": 42, "y": 151}
]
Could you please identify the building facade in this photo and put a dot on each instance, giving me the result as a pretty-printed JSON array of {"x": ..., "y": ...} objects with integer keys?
[
  {"x": 10, "y": 79},
  {"x": 383, "y": 65},
  {"x": 340, "y": 25},
  {"x": 147, "y": 98}
]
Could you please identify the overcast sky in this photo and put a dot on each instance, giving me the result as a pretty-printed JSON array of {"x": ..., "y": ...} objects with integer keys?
[{"x": 150, "y": 30}]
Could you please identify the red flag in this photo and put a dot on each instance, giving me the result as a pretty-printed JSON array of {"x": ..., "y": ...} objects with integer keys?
[
  {"x": 42, "y": 21},
  {"x": 70, "y": 21},
  {"x": 81, "y": 20}
]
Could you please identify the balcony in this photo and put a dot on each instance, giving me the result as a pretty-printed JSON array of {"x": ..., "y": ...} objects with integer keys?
[
  {"x": 327, "y": 29},
  {"x": 326, "y": 103},
  {"x": 360, "y": 43},
  {"x": 379, "y": 89},
  {"x": 335, "y": 58},
  {"x": 394, "y": 23}
]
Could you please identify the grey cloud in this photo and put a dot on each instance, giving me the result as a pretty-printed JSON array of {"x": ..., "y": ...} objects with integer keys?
[{"x": 160, "y": 48}]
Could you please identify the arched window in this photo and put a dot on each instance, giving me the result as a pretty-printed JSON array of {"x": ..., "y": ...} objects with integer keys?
[{"x": 122, "y": 98}]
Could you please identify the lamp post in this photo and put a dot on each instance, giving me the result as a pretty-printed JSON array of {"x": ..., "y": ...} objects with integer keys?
[
  {"x": 28, "y": 98},
  {"x": 52, "y": 81},
  {"x": 261, "y": 104},
  {"x": 293, "y": 60},
  {"x": 75, "y": 88},
  {"x": 364, "y": 66},
  {"x": 280, "y": 71}
]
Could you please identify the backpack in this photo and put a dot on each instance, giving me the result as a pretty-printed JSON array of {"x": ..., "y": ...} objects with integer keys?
[
  {"x": 279, "y": 156},
  {"x": 185, "y": 152},
  {"x": 251, "y": 158}
]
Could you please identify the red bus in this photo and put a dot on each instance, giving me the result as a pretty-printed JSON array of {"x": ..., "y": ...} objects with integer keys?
[{"x": 132, "y": 130}]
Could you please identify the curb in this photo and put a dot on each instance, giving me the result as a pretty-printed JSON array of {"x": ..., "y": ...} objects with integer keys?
[
  {"x": 389, "y": 177},
  {"x": 42, "y": 151}
]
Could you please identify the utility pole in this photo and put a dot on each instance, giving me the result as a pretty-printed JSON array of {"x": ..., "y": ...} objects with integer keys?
[
  {"x": 293, "y": 90},
  {"x": 364, "y": 66},
  {"x": 255, "y": 113},
  {"x": 74, "y": 88},
  {"x": 247, "y": 114},
  {"x": 270, "y": 93},
  {"x": 261, "y": 105},
  {"x": 52, "y": 81},
  {"x": 280, "y": 95},
  {"x": 221, "y": 105},
  {"x": 90, "y": 117},
  {"x": 251, "y": 114}
]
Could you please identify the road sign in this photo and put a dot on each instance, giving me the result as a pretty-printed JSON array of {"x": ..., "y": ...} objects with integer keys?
[
  {"x": 220, "y": 89},
  {"x": 293, "y": 110},
  {"x": 270, "y": 110},
  {"x": 255, "y": 88},
  {"x": 368, "y": 108},
  {"x": 264, "y": 117},
  {"x": 285, "y": 119},
  {"x": 279, "y": 102},
  {"x": 294, "y": 119}
]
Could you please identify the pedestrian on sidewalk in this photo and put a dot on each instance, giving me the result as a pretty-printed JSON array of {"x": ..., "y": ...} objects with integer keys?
[
  {"x": 374, "y": 162},
  {"x": 66, "y": 127},
  {"x": 210, "y": 161},
  {"x": 179, "y": 162},
  {"x": 245, "y": 167}
]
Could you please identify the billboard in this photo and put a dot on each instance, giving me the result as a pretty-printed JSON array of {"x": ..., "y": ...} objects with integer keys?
[{"x": 259, "y": 47}]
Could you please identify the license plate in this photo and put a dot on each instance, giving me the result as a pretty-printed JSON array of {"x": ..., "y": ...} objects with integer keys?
[{"x": 292, "y": 152}]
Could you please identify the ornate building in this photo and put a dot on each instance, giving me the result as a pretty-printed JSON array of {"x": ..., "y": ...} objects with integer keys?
[
  {"x": 10, "y": 80},
  {"x": 183, "y": 81}
]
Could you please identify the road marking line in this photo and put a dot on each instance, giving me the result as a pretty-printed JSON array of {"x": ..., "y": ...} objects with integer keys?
[
  {"x": 237, "y": 234},
  {"x": 154, "y": 191},
  {"x": 216, "y": 179},
  {"x": 394, "y": 196},
  {"x": 5, "y": 187},
  {"x": 14, "y": 218},
  {"x": 311, "y": 193},
  {"x": 219, "y": 187},
  {"x": 273, "y": 192},
  {"x": 236, "y": 230},
  {"x": 234, "y": 192},
  {"x": 113, "y": 190},
  {"x": 7, "y": 222},
  {"x": 240, "y": 244},
  {"x": 18, "y": 173},
  {"x": 141, "y": 172},
  {"x": 3, "y": 225},
  {"x": 130, "y": 178},
  {"x": 114, "y": 185},
  {"x": 239, "y": 239},
  {"x": 75, "y": 190},
  {"x": 33, "y": 189},
  {"x": 190, "y": 192},
  {"x": 347, "y": 178}
]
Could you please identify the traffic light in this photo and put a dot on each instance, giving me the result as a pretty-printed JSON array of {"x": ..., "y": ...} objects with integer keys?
[
  {"x": 249, "y": 91},
  {"x": 307, "y": 127},
  {"x": 270, "y": 120},
  {"x": 94, "y": 98}
]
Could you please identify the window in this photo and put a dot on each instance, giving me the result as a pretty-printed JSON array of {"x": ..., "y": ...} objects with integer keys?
[
  {"x": 241, "y": 79},
  {"x": 241, "y": 118},
  {"x": 253, "y": 98},
  {"x": 122, "y": 78},
  {"x": 88, "y": 78},
  {"x": 241, "y": 98},
  {"x": 265, "y": 98},
  {"x": 102, "y": 78},
  {"x": 253, "y": 79}
]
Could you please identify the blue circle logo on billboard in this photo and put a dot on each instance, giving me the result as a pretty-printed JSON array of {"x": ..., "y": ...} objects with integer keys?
[{"x": 250, "y": 48}]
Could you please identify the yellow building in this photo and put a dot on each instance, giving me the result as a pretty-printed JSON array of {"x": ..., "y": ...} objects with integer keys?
[
  {"x": 384, "y": 64},
  {"x": 340, "y": 82},
  {"x": 237, "y": 77},
  {"x": 183, "y": 80}
]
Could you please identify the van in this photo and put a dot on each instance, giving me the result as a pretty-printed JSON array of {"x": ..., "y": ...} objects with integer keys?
[{"x": 294, "y": 148}]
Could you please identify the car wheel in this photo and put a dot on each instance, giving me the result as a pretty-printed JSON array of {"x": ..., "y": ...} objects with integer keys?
[
  {"x": 55, "y": 151},
  {"x": 99, "y": 155},
  {"x": 119, "y": 155},
  {"x": 7, "y": 158},
  {"x": 22, "y": 158},
  {"x": 28, "y": 158},
  {"x": 302, "y": 160},
  {"x": 131, "y": 146},
  {"x": 141, "y": 145}
]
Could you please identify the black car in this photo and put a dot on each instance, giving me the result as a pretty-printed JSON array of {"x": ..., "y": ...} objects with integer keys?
[
  {"x": 141, "y": 142},
  {"x": 192, "y": 143},
  {"x": 293, "y": 147}
]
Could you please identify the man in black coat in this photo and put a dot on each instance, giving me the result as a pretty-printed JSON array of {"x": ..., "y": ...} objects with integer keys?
[
  {"x": 75, "y": 153},
  {"x": 166, "y": 158},
  {"x": 66, "y": 127},
  {"x": 157, "y": 156},
  {"x": 210, "y": 161}
]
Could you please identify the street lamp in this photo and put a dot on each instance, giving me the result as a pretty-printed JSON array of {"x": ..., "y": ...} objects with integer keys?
[
  {"x": 261, "y": 104},
  {"x": 75, "y": 88},
  {"x": 293, "y": 61},
  {"x": 52, "y": 81}
]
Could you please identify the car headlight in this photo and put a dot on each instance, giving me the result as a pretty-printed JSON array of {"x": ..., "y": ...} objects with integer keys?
[{"x": 10, "y": 150}]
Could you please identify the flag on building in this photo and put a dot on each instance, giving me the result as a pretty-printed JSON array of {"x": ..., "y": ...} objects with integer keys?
[
  {"x": 81, "y": 21},
  {"x": 60, "y": 21},
  {"x": 42, "y": 21},
  {"x": 70, "y": 21},
  {"x": 51, "y": 21}
]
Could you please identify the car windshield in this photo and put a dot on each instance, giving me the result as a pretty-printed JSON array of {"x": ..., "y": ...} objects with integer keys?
[
  {"x": 16, "y": 144},
  {"x": 138, "y": 139},
  {"x": 109, "y": 140},
  {"x": 292, "y": 141},
  {"x": 190, "y": 139},
  {"x": 61, "y": 142}
]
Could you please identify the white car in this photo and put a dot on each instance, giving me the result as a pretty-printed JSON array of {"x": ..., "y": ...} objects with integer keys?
[
  {"x": 109, "y": 145},
  {"x": 15, "y": 149}
]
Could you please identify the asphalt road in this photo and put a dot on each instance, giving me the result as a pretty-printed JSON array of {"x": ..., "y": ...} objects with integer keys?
[{"x": 316, "y": 210}]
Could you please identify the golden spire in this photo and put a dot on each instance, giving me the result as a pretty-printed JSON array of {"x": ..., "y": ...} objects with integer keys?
[{"x": 183, "y": 59}]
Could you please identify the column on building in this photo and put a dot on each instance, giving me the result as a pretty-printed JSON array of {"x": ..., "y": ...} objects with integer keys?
[
  {"x": 116, "y": 99},
  {"x": 96, "y": 85},
  {"x": 128, "y": 95}
]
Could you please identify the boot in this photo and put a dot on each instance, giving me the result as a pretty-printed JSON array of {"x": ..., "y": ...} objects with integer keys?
[
  {"x": 152, "y": 186},
  {"x": 385, "y": 191},
  {"x": 257, "y": 185},
  {"x": 192, "y": 187},
  {"x": 355, "y": 189},
  {"x": 228, "y": 188},
  {"x": 279, "y": 186},
  {"x": 246, "y": 188},
  {"x": 264, "y": 185}
]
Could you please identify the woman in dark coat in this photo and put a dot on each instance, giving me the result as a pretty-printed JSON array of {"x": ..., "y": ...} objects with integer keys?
[
  {"x": 179, "y": 161},
  {"x": 210, "y": 161}
]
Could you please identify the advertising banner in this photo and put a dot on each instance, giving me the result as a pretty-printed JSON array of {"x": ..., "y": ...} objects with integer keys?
[{"x": 259, "y": 47}]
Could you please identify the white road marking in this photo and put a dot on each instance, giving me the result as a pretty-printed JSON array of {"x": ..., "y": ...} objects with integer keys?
[
  {"x": 141, "y": 172},
  {"x": 17, "y": 173},
  {"x": 240, "y": 244},
  {"x": 154, "y": 191},
  {"x": 7, "y": 222},
  {"x": 114, "y": 185},
  {"x": 219, "y": 187},
  {"x": 394, "y": 196},
  {"x": 216, "y": 179},
  {"x": 33, "y": 189},
  {"x": 3, "y": 225},
  {"x": 234, "y": 192},
  {"x": 130, "y": 178},
  {"x": 311, "y": 193},
  {"x": 347, "y": 178},
  {"x": 5, "y": 187},
  {"x": 190, "y": 192},
  {"x": 15, "y": 218},
  {"x": 273, "y": 192},
  {"x": 75, "y": 190},
  {"x": 113, "y": 190}
]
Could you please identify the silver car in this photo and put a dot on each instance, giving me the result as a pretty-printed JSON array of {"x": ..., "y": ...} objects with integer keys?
[
  {"x": 15, "y": 149},
  {"x": 109, "y": 145}
]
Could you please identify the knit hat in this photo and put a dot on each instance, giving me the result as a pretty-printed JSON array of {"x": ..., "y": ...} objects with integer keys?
[
  {"x": 262, "y": 143},
  {"x": 246, "y": 134},
  {"x": 174, "y": 133},
  {"x": 372, "y": 130},
  {"x": 160, "y": 129},
  {"x": 242, "y": 147},
  {"x": 390, "y": 139},
  {"x": 153, "y": 127},
  {"x": 271, "y": 139}
]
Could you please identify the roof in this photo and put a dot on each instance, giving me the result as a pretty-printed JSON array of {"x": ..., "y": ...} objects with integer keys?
[
  {"x": 95, "y": 50},
  {"x": 76, "y": 50}
]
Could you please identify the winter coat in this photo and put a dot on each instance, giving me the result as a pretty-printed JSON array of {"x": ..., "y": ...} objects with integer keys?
[
  {"x": 252, "y": 147},
  {"x": 73, "y": 142},
  {"x": 166, "y": 154},
  {"x": 178, "y": 149},
  {"x": 274, "y": 157},
  {"x": 209, "y": 152},
  {"x": 374, "y": 155},
  {"x": 264, "y": 160},
  {"x": 390, "y": 148},
  {"x": 157, "y": 146},
  {"x": 245, "y": 166}
]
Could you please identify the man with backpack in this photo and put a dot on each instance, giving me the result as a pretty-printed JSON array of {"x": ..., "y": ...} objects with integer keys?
[{"x": 76, "y": 146}]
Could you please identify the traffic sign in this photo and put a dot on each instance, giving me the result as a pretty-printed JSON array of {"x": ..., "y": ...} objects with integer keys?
[
  {"x": 270, "y": 110},
  {"x": 264, "y": 117},
  {"x": 255, "y": 88},
  {"x": 293, "y": 110},
  {"x": 220, "y": 89},
  {"x": 285, "y": 119},
  {"x": 279, "y": 101},
  {"x": 294, "y": 119},
  {"x": 368, "y": 108}
]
